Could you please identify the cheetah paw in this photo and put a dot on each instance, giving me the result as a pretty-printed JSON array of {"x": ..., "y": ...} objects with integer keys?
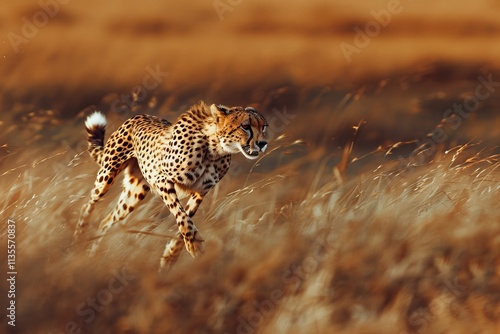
[
  {"x": 194, "y": 243},
  {"x": 166, "y": 264}
]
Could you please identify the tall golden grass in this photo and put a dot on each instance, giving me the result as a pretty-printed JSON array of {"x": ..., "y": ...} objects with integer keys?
[
  {"x": 335, "y": 229},
  {"x": 290, "y": 248}
]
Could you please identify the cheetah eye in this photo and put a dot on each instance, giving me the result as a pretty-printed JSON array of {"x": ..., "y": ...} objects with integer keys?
[{"x": 245, "y": 127}]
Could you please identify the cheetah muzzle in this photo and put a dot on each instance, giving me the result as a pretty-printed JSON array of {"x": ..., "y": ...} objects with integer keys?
[{"x": 186, "y": 158}]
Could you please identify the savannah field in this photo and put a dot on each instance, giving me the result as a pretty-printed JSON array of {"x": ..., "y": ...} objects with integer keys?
[{"x": 374, "y": 210}]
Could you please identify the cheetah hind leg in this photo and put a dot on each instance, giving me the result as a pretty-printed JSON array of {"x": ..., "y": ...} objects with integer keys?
[
  {"x": 105, "y": 179},
  {"x": 135, "y": 189}
]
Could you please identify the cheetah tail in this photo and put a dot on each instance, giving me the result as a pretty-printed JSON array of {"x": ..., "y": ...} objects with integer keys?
[{"x": 95, "y": 125}]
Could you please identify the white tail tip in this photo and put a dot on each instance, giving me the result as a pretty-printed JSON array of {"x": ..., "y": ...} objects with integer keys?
[{"x": 96, "y": 119}]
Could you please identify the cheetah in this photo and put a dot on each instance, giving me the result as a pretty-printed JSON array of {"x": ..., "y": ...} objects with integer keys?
[{"x": 183, "y": 159}]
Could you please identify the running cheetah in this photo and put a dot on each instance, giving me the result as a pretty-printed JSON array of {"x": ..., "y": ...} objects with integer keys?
[{"x": 177, "y": 160}]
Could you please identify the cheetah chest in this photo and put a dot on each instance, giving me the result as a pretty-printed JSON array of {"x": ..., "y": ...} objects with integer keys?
[{"x": 207, "y": 179}]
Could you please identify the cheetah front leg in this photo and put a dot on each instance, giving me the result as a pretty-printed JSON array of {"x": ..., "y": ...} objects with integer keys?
[
  {"x": 187, "y": 229},
  {"x": 174, "y": 248}
]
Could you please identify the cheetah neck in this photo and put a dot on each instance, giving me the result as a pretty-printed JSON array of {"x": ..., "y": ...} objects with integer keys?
[
  {"x": 201, "y": 116},
  {"x": 215, "y": 149}
]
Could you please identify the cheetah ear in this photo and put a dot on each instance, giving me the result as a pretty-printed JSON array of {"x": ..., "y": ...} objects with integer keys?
[{"x": 219, "y": 110}]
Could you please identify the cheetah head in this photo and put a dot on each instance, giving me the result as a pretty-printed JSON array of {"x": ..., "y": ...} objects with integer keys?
[{"x": 240, "y": 130}]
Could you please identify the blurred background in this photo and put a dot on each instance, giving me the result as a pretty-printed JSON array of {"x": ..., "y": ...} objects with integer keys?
[
  {"x": 348, "y": 88},
  {"x": 398, "y": 65}
]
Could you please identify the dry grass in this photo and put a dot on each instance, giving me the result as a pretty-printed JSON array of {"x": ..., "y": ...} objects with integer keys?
[
  {"x": 400, "y": 248},
  {"x": 334, "y": 230}
]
